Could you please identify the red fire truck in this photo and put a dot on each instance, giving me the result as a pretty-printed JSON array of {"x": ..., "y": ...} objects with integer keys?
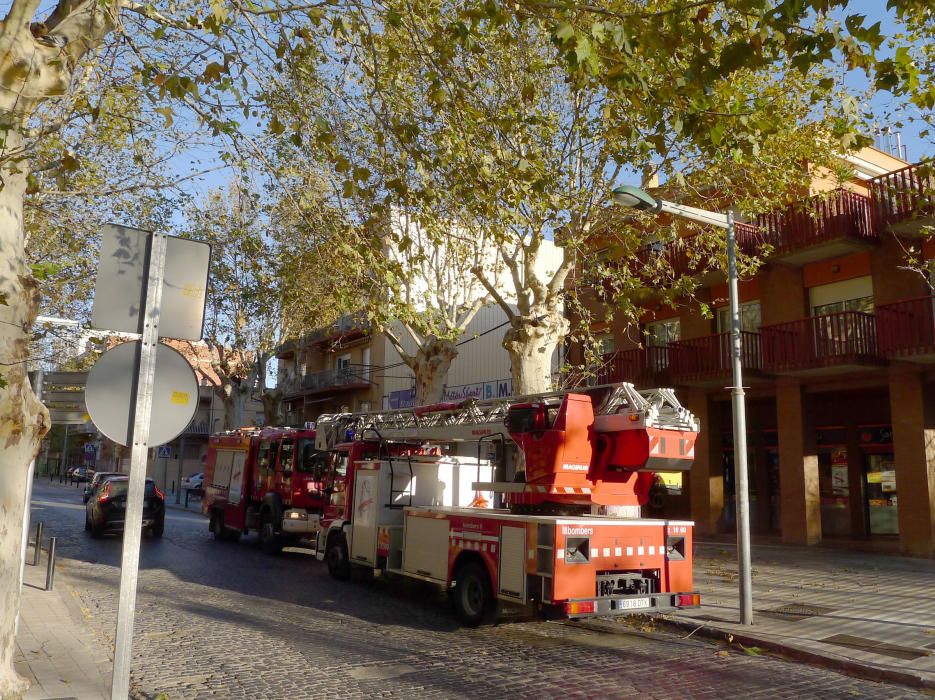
[
  {"x": 268, "y": 481},
  {"x": 412, "y": 493}
]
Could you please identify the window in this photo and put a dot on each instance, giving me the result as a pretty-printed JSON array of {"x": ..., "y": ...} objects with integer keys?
[
  {"x": 661, "y": 333},
  {"x": 262, "y": 457},
  {"x": 287, "y": 455},
  {"x": 342, "y": 361},
  {"x": 750, "y": 319},
  {"x": 605, "y": 344},
  {"x": 365, "y": 406},
  {"x": 863, "y": 304},
  {"x": 310, "y": 460}
]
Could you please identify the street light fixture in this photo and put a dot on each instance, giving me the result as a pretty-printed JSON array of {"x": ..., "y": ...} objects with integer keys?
[{"x": 635, "y": 198}]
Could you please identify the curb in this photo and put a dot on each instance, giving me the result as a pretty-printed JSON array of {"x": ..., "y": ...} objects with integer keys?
[{"x": 853, "y": 668}]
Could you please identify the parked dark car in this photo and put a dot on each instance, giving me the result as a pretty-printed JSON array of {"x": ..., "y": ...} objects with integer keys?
[
  {"x": 97, "y": 479},
  {"x": 108, "y": 503}
]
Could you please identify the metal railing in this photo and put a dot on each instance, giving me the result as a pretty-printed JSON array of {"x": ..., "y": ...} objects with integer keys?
[
  {"x": 634, "y": 366},
  {"x": 819, "y": 341},
  {"x": 821, "y": 218},
  {"x": 903, "y": 194},
  {"x": 337, "y": 377},
  {"x": 675, "y": 254},
  {"x": 710, "y": 356},
  {"x": 198, "y": 427},
  {"x": 907, "y": 327}
]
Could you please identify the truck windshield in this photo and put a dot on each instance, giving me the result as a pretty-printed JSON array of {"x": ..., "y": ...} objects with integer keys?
[{"x": 308, "y": 459}]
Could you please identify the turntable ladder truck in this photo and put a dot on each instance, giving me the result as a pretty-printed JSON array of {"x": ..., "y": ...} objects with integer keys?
[{"x": 568, "y": 538}]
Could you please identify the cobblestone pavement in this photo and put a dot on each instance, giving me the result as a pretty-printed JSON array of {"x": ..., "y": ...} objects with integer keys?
[{"x": 222, "y": 620}]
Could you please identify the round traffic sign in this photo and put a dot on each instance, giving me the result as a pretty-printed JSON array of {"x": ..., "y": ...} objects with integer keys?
[{"x": 109, "y": 388}]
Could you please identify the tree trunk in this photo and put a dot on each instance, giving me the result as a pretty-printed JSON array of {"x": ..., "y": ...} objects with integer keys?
[
  {"x": 23, "y": 420},
  {"x": 235, "y": 398},
  {"x": 272, "y": 406},
  {"x": 430, "y": 366},
  {"x": 531, "y": 342}
]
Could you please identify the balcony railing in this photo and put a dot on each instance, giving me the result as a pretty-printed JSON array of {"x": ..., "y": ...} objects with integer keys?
[
  {"x": 821, "y": 219},
  {"x": 710, "y": 356},
  {"x": 198, "y": 427},
  {"x": 636, "y": 366},
  {"x": 338, "y": 377},
  {"x": 844, "y": 338},
  {"x": 907, "y": 327},
  {"x": 676, "y": 253},
  {"x": 903, "y": 195}
]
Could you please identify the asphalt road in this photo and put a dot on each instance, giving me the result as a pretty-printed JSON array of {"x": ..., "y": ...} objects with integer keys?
[{"x": 223, "y": 620}]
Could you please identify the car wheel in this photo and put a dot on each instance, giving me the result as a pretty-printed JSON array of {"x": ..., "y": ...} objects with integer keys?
[
  {"x": 471, "y": 596},
  {"x": 97, "y": 530},
  {"x": 87, "y": 522},
  {"x": 157, "y": 529}
]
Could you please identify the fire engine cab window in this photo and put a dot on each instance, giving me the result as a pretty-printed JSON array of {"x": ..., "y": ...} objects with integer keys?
[
  {"x": 286, "y": 455},
  {"x": 308, "y": 456},
  {"x": 339, "y": 463},
  {"x": 262, "y": 457}
]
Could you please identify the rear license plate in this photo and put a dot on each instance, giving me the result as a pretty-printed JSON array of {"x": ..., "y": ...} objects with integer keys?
[{"x": 633, "y": 604}]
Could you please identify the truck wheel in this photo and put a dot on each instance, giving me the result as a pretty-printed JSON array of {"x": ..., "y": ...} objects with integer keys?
[
  {"x": 336, "y": 555},
  {"x": 471, "y": 596},
  {"x": 217, "y": 526},
  {"x": 270, "y": 542}
]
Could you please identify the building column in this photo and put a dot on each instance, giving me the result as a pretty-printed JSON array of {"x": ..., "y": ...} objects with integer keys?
[
  {"x": 706, "y": 478},
  {"x": 798, "y": 467},
  {"x": 855, "y": 485},
  {"x": 914, "y": 452}
]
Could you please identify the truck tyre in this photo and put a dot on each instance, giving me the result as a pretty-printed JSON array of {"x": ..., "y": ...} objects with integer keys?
[
  {"x": 472, "y": 597},
  {"x": 270, "y": 541},
  {"x": 336, "y": 555},
  {"x": 217, "y": 526}
]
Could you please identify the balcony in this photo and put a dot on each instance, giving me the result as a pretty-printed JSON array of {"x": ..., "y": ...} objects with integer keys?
[
  {"x": 639, "y": 366},
  {"x": 338, "y": 379},
  {"x": 903, "y": 200},
  {"x": 838, "y": 342},
  {"x": 689, "y": 256},
  {"x": 906, "y": 329},
  {"x": 706, "y": 361},
  {"x": 198, "y": 427},
  {"x": 823, "y": 227}
]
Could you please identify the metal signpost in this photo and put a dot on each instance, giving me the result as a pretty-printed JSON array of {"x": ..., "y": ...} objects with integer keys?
[{"x": 130, "y": 297}]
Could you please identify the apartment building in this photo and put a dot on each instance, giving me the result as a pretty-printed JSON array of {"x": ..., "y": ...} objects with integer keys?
[{"x": 838, "y": 342}]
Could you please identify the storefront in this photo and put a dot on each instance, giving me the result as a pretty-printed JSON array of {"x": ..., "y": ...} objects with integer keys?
[{"x": 879, "y": 472}]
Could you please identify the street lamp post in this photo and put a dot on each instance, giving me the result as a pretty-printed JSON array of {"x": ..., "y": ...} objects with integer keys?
[{"x": 636, "y": 198}]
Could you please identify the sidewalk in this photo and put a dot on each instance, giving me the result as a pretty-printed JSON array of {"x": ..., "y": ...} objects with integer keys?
[
  {"x": 55, "y": 649},
  {"x": 870, "y": 614}
]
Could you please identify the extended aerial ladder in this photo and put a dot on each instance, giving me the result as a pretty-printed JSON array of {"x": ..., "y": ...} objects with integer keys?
[{"x": 589, "y": 450}]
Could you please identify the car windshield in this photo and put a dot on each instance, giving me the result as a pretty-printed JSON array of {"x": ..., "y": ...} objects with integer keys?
[{"x": 119, "y": 487}]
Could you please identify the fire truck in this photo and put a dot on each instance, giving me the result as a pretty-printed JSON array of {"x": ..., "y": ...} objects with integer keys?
[
  {"x": 264, "y": 480},
  {"x": 532, "y": 501}
]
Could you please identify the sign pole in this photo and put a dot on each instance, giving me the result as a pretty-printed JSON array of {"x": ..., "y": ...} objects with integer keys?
[{"x": 139, "y": 439}]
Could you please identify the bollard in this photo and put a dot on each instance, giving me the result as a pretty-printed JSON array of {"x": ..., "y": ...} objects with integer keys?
[
  {"x": 187, "y": 492},
  {"x": 50, "y": 566},
  {"x": 38, "y": 552}
]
